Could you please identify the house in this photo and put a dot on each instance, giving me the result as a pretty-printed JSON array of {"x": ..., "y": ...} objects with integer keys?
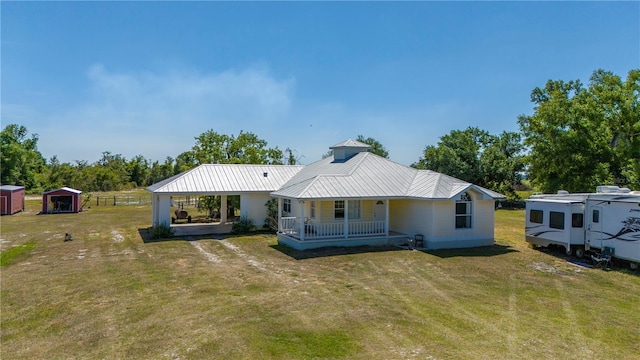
[
  {"x": 351, "y": 198},
  {"x": 63, "y": 200},
  {"x": 11, "y": 199}
]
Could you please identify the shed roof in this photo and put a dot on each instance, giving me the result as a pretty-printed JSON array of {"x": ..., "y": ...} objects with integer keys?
[
  {"x": 11, "y": 187},
  {"x": 227, "y": 178},
  {"x": 64, "y": 188}
]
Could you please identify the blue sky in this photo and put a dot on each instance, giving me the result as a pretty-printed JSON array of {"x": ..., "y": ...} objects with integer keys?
[{"x": 147, "y": 77}]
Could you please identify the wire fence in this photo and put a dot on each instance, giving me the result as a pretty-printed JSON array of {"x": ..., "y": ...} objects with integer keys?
[{"x": 119, "y": 200}]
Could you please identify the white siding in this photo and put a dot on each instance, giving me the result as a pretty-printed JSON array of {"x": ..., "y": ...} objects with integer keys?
[{"x": 252, "y": 205}]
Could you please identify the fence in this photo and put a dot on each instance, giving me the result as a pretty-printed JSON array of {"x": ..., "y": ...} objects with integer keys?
[{"x": 122, "y": 200}]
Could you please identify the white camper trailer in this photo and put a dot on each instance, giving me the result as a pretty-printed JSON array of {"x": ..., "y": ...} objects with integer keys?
[{"x": 608, "y": 219}]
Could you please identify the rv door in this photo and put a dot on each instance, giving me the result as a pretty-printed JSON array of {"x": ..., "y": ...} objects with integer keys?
[{"x": 594, "y": 229}]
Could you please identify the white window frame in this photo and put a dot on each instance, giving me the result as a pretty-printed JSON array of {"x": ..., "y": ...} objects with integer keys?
[
  {"x": 467, "y": 200},
  {"x": 338, "y": 205},
  {"x": 355, "y": 210},
  {"x": 286, "y": 206}
]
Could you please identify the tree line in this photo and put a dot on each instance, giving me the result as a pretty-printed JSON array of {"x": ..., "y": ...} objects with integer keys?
[{"x": 578, "y": 137}]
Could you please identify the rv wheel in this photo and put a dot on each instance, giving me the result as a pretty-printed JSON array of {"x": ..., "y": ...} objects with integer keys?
[
  {"x": 633, "y": 265},
  {"x": 579, "y": 252}
]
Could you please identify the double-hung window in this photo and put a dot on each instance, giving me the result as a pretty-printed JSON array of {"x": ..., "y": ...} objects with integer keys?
[
  {"x": 464, "y": 211},
  {"x": 338, "y": 209},
  {"x": 286, "y": 206}
]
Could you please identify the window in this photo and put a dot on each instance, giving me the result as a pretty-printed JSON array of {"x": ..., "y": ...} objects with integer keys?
[
  {"x": 556, "y": 220},
  {"x": 577, "y": 220},
  {"x": 596, "y": 216},
  {"x": 354, "y": 209},
  {"x": 312, "y": 205},
  {"x": 338, "y": 211},
  {"x": 535, "y": 216},
  {"x": 464, "y": 210},
  {"x": 286, "y": 206}
]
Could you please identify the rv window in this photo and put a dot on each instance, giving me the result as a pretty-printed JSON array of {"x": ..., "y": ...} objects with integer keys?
[
  {"x": 535, "y": 216},
  {"x": 576, "y": 220},
  {"x": 556, "y": 220},
  {"x": 596, "y": 216}
]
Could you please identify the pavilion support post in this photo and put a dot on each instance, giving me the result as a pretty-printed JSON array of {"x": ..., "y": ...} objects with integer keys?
[{"x": 223, "y": 209}]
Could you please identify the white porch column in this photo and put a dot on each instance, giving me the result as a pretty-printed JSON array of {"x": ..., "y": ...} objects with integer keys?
[
  {"x": 164, "y": 210},
  {"x": 279, "y": 214},
  {"x": 346, "y": 219},
  {"x": 154, "y": 209},
  {"x": 386, "y": 220},
  {"x": 302, "y": 224},
  {"x": 223, "y": 209}
]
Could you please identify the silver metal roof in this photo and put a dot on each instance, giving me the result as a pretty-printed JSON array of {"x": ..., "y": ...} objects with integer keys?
[
  {"x": 227, "y": 178},
  {"x": 366, "y": 175},
  {"x": 64, "y": 188},
  {"x": 351, "y": 144},
  {"x": 11, "y": 187},
  {"x": 361, "y": 175}
]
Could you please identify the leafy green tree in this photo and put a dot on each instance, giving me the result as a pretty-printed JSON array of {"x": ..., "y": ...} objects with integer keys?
[
  {"x": 138, "y": 170},
  {"x": 474, "y": 155},
  {"x": 159, "y": 172},
  {"x": 376, "y": 147},
  {"x": 21, "y": 162},
  {"x": 583, "y": 137},
  {"x": 247, "y": 148}
]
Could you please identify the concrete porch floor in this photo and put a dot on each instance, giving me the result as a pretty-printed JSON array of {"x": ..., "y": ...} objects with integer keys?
[{"x": 201, "y": 229}]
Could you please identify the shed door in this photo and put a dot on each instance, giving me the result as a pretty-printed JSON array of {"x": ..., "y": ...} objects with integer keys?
[{"x": 594, "y": 229}]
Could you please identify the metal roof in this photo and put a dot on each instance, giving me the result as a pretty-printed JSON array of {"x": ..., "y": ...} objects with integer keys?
[
  {"x": 227, "y": 178},
  {"x": 366, "y": 175},
  {"x": 361, "y": 175},
  {"x": 11, "y": 187},
  {"x": 351, "y": 144},
  {"x": 64, "y": 188}
]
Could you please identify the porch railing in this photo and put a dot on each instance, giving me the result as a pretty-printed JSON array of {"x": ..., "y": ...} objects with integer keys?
[{"x": 291, "y": 226}]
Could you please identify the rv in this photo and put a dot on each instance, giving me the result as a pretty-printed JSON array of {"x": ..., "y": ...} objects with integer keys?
[{"x": 608, "y": 219}]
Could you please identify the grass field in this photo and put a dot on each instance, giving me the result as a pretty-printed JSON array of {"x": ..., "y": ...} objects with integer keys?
[{"x": 109, "y": 294}]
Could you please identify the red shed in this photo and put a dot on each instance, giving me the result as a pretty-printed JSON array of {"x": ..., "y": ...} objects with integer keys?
[
  {"x": 63, "y": 200},
  {"x": 11, "y": 199}
]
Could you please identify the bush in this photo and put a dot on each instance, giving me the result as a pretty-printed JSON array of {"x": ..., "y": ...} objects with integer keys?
[
  {"x": 243, "y": 226},
  {"x": 161, "y": 231}
]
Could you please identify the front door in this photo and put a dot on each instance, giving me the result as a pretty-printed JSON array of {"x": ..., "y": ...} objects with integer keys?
[
  {"x": 594, "y": 229},
  {"x": 380, "y": 211},
  {"x": 380, "y": 214}
]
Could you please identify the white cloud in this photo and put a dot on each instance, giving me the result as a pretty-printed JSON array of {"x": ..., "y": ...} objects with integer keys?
[{"x": 159, "y": 114}]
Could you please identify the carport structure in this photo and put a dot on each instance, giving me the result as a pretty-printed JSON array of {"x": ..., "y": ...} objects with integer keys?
[{"x": 253, "y": 183}]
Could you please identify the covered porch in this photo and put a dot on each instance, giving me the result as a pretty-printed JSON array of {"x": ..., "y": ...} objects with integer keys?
[{"x": 348, "y": 222}]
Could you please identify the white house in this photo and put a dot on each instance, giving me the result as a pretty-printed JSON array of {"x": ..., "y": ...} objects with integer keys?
[{"x": 351, "y": 198}]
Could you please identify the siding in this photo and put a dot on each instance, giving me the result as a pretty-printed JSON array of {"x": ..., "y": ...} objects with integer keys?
[{"x": 252, "y": 205}]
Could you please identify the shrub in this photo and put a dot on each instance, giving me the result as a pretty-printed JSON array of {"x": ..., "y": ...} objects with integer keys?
[
  {"x": 271, "y": 221},
  {"x": 243, "y": 226},
  {"x": 161, "y": 231}
]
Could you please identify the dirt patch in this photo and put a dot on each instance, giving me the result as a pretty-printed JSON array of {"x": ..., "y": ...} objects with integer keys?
[
  {"x": 211, "y": 257},
  {"x": 116, "y": 236},
  {"x": 244, "y": 255}
]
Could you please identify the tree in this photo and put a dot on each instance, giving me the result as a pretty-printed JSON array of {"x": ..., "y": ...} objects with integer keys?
[
  {"x": 247, "y": 148},
  {"x": 474, "y": 155},
  {"x": 583, "y": 137},
  {"x": 376, "y": 147},
  {"x": 21, "y": 162}
]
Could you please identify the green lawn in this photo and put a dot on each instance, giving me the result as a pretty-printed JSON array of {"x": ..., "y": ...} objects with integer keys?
[{"x": 109, "y": 294}]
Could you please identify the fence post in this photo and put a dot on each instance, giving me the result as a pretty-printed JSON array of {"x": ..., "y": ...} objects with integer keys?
[
  {"x": 114, "y": 201},
  {"x": 97, "y": 200}
]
